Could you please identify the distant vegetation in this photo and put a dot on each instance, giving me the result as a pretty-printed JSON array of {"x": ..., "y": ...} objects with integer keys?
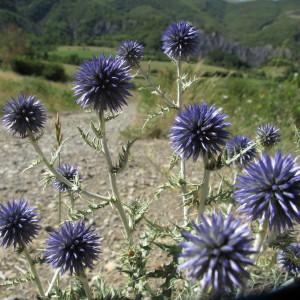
[{"x": 107, "y": 22}]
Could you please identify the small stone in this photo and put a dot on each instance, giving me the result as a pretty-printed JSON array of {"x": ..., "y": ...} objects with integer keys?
[{"x": 110, "y": 266}]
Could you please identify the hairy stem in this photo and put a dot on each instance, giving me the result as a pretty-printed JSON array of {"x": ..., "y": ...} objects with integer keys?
[
  {"x": 34, "y": 272},
  {"x": 182, "y": 161},
  {"x": 55, "y": 278},
  {"x": 205, "y": 187},
  {"x": 59, "y": 176},
  {"x": 113, "y": 182},
  {"x": 83, "y": 279}
]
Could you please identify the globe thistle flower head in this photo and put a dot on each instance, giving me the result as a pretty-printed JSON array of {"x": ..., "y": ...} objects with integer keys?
[
  {"x": 18, "y": 223},
  {"x": 268, "y": 135},
  {"x": 69, "y": 172},
  {"x": 217, "y": 252},
  {"x": 269, "y": 190},
  {"x": 288, "y": 259},
  {"x": 73, "y": 247},
  {"x": 103, "y": 83},
  {"x": 242, "y": 148},
  {"x": 199, "y": 129},
  {"x": 132, "y": 52},
  {"x": 24, "y": 115},
  {"x": 180, "y": 40}
]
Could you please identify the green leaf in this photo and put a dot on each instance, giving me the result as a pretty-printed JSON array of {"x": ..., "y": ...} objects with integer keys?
[
  {"x": 81, "y": 214},
  {"x": 94, "y": 142},
  {"x": 161, "y": 112},
  {"x": 123, "y": 157}
]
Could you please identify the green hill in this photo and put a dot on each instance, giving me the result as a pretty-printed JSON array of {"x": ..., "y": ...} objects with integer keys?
[{"x": 106, "y": 22}]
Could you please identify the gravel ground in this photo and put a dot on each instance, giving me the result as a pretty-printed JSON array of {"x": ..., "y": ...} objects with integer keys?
[{"x": 138, "y": 180}]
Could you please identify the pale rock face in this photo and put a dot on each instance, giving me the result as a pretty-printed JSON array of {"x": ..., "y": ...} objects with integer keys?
[{"x": 254, "y": 56}]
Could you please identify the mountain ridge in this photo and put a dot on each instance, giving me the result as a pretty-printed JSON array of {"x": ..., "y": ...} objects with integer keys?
[{"x": 106, "y": 22}]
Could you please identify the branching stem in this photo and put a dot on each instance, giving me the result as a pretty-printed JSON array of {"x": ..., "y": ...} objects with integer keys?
[{"x": 59, "y": 176}]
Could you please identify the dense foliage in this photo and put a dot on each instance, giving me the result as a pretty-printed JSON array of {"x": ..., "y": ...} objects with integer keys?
[{"x": 106, "y": 22}]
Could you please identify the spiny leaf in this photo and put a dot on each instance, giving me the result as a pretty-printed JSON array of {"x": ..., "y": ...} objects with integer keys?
[
  {"x": 173, "y": 182},
  {"x": 33, "y": 164},
  {"x": 123, "y": 157},
  {"x": 28, "y": 277},
  {"x": 187, "y": 82},
  {"x": 81, "y": 214},
  {"x": 110, "y": 116},
  {"x": 174, "y": 160},
  {"x": 92, "y": 142},
  {"x": 162, "y": 111},
  {"x": 97, "y": 131},
  {"x": 55, "y": 155},
  {"x": 137, "y": 210}
]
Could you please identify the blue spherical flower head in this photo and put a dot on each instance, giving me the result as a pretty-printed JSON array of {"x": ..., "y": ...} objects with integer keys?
[
  {"x": 103, "y": 83},
  {"x": 132, "y": 52},
  {"x": 24, "y": 115},
  {"x": 73, "y": 247},
  {"x": 270, "y": 191},
  {"x": 69, "y": 172},
  {"x": 289, "y": 259},
  {"x": 242, "y": 146},
  {"x": 199, "y": 129},
  {"x": 18, "y": 223},
  {"x": 180, "y": 40},
  {"x": 268, "y": 135},
  {"x": 218, "y": 252}
]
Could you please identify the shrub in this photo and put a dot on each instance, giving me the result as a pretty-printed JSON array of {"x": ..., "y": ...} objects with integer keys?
[
  {"x": 54, "y": 72},
  {"x": 50, "y": 71}
]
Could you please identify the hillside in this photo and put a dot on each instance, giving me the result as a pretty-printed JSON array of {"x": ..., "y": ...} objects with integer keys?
[{"x": 105, "y": 22}]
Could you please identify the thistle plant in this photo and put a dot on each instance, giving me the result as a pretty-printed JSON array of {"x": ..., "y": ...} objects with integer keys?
[
  {"x": 240, "y": 144},
  {"x": 268, "y": 135},
  {"x": 24, "y": 116},
  {"x": 217, "y": 250},
  {"x": 73, "y": 248},
  {"x": 18, "y": 227},
  {"x": 132, "y": 52},
  {"x": 288, "y": 259}
]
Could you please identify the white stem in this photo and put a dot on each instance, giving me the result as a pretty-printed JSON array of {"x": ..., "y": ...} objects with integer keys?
[
  {"x": 182, "y": 161},
  {"x": 113, "y": 182},
  {"x": 59, "y": 176},
  {"x": 34, "y": 272},
  {"x": 259, "y": 239},
  {"x": 53, "y": 281},
  {"x": 204, "y": 188}
]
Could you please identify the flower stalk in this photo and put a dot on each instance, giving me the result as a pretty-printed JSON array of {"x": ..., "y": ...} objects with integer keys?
[
  {"x": 83, "y": 279},
  {"x": 204, "y": 187},
  {"x": 54, "y": 280},
  {"x": 34, "y": 272},
  {"x": 113, "y": 182},
  {"x": 259, "y": 239},
  {"x": 182, "y": 160}
]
